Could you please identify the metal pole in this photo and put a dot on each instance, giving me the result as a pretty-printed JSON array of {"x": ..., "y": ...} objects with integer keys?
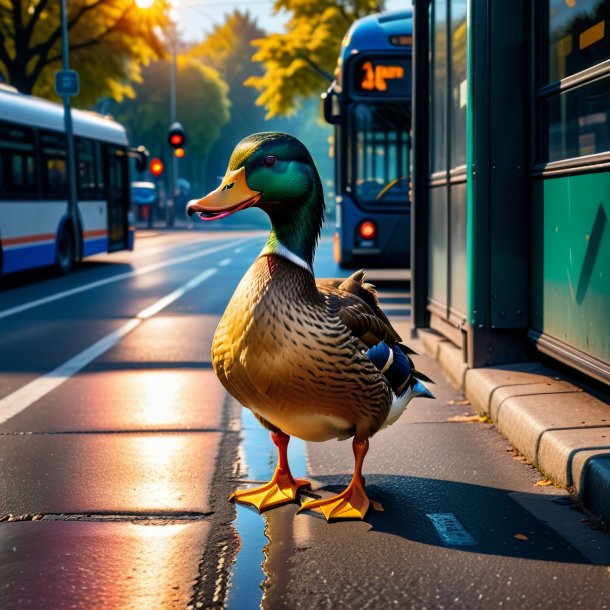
[
  {"x": 172, "y": 119},
  {"x": 70, "y": 156}
]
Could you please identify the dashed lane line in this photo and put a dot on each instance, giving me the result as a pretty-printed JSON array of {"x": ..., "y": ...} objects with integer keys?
[
  {"x": 25, "y": 396},
  {"x": 116, "y": 278}
]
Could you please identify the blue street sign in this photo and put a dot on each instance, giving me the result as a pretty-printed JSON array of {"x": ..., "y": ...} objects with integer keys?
[{"x": 66, "y": 82}]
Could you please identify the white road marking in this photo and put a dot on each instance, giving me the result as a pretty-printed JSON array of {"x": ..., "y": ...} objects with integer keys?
[
  {"x": 115, "y": 278},
  {"x": 25, "y": 396},
  {"x": 238, "y": 250},
  {"x": 141, "y": 253},
  {"x": 224, "y": 262},
  {"x": 450, "y": 530}
]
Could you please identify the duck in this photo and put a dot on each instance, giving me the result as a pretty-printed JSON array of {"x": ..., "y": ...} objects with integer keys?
[{"x": 312, "y": 358}]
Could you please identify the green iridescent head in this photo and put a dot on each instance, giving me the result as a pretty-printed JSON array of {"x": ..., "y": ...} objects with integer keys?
[{"x": 275, "y": 172}]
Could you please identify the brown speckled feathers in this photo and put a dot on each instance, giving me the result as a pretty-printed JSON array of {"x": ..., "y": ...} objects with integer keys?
[{"x": 290, "y": 350}]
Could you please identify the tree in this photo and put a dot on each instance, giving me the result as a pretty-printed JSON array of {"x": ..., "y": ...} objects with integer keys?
[
  {"x": 228, "y": 49},
  {"x": 109, "y": 41},
  {"x": 202, "y": 106},
  {"x": 301, "y": 61}
]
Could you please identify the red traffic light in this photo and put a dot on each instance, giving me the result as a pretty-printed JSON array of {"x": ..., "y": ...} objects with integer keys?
[
  {"x": 179, "y": 152},
  {"x": 156, "y": 167},
  {"x": 176, "y": 136}
]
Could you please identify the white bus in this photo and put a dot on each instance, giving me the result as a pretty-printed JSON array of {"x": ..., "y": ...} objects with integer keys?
[{"x": 36, "y": 227}]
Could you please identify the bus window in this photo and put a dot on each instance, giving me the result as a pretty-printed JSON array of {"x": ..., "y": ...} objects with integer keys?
[
  {"x": 54, "y": 184},
  {"x": 17, "y": 161},
  {"x": 88, "y": 188},
  {"x": 380, "y": 171}
]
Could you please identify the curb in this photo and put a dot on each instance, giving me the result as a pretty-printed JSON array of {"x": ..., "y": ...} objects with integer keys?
[{"x": 558, "y": 427}]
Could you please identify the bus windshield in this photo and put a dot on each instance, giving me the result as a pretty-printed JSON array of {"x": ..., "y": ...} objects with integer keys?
[{"x": 380, "y": 153}]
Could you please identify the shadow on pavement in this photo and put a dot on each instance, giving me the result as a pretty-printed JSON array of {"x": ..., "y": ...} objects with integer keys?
[{"x": 491, "y": 516}]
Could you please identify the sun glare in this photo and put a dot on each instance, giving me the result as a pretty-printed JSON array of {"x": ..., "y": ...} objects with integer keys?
[{"x": 145, "y": 3}]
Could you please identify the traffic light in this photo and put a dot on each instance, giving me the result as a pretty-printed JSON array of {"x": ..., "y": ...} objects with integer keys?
[
  {"x": 179, "y": 152},
  {"x": 176, "y": 136},
  {"x": 156, "y": 167}
]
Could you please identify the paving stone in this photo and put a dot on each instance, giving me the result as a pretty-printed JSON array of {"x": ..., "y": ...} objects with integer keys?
[
  {"x": 127, "y": 400},
  {"x": 50, "y": 565},
  {"x": 107, "y": 473}
]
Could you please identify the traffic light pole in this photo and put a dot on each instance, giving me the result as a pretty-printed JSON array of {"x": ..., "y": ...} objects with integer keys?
[{"x": 173, "y": 174}]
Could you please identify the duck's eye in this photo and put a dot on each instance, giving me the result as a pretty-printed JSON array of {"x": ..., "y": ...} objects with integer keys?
[{"x": 270, "y": 161}]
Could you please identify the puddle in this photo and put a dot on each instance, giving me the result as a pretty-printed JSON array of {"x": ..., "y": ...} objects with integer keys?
[{"x": 259, "y": 457}]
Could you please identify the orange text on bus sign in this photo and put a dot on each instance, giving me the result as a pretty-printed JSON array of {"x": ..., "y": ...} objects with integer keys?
[{"x": 375, "y": 77}]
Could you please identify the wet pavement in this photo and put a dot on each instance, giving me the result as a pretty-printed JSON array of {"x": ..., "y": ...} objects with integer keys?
[
  {"x": 114, "y": 484},
  {"x": 99, "y": 564}
]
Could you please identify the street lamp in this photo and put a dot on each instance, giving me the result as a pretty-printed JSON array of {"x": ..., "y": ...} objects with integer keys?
[{"x": 67, "y": 85}]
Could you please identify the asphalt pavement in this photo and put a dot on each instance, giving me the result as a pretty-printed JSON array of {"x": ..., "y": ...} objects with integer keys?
[{"x": 118, "y": 449}]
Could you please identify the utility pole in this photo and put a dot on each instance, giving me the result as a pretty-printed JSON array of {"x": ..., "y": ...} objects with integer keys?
[
  {"x": 67, "y": 85},
  {"x": 172, "y": 119}
]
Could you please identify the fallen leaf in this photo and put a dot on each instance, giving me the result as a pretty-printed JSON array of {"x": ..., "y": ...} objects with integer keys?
[
  {"x": 464, "y": 418},
  {"x": 377, "y": 505},
  {"x": 543, "y": 483},
  {"x": 479, "y": 419},
  {"x": 521, "y": 537},
  {"x": 458, "y": 402}
]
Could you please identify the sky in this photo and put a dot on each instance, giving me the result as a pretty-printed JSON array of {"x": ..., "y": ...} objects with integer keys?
[{"x": 196, "y": 18}]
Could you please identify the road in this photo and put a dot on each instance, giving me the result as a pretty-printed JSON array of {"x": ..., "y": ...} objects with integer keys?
[{"x": 118, "y": 449}]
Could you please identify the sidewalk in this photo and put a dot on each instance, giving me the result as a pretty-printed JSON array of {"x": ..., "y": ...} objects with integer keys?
[{"x": 560, "y": 428}]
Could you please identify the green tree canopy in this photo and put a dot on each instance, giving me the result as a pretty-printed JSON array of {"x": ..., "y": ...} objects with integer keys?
[
  {"x": 300, "y": 62},
  {"x": 228, "y": 49},
  {"x": 109, "y": 41},
  {"x": 202, "y": 106}
]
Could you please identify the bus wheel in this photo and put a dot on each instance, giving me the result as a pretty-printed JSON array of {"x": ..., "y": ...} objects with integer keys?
[{"x": 64, "y": 258}]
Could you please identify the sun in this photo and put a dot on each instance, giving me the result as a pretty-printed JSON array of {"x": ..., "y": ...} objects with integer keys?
[{"x": 145, "y": 3}]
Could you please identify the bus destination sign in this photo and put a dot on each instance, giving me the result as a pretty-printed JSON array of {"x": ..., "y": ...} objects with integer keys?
[{"x": 382, "y": 76}]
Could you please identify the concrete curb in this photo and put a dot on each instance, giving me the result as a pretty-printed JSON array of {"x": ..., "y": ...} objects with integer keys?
[{"x": 561, "y": 429}]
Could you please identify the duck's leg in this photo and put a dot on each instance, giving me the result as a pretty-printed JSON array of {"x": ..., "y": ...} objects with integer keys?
[
  {"x": 352, "y": 503},
  {"x": 282, "y": 488}
]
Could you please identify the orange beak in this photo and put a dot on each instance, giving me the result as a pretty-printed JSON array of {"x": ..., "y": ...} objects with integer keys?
[{"x": 231, "y": 196}]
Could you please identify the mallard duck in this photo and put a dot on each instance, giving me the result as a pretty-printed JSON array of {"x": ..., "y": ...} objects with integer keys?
[{"x": 313, "y": 359}]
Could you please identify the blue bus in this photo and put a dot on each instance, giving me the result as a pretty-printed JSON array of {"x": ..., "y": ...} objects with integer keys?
[{"x": 369, "y": 104}]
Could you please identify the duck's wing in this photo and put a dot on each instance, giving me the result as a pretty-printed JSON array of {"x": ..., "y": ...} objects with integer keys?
[{"x": 357, "y": 305}]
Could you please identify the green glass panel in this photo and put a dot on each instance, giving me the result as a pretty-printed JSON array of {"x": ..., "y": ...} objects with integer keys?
[
  {"x": 571, "y": 250},
  {"x": 438, "y": 245},
  {"x": 438, "y": 120},
  {"x": 459, "y": 83}
]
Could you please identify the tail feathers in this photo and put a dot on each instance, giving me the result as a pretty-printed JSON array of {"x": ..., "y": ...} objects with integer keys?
[{"x": 406, "y": 349}]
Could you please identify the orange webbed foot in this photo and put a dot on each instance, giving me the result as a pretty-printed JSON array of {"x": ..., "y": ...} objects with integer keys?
[
  {"x": 352, "y": 503},
  {"x": 281, "y": 489}
]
